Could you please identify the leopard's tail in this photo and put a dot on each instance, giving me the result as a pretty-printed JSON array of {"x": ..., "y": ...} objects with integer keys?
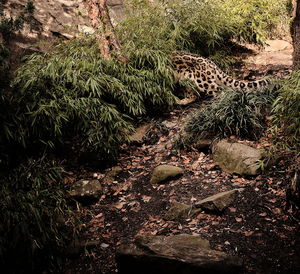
[{"x": 253, "y": 86}]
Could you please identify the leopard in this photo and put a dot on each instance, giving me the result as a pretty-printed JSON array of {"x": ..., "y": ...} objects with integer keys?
[{"x": 208, "y": 78}]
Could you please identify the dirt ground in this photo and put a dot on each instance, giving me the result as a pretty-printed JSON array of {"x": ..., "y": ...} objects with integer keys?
[{"x": 258, "y": 227}]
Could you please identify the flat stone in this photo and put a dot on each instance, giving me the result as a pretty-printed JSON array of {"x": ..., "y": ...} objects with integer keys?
[
  {"x": 86, "y": 190},
  {"x": 140, "y": 133},
  {"x": 169, "y": 124},
  {"x": 164, "y": 172},
  {"x": 218, "y": 202},
  {"x": 180, "y": 254},
  {"x": 179, "y": 211},
  {"x": 237, "y": 158},
  {"x": 277, "y": 45},
  {"x": 112, "y": 3}
]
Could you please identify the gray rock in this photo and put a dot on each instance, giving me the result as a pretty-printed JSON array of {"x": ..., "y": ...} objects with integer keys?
[
  {"x": 52, "y": 19},
  {"x": 140, "y": 133},
  {"x": 202, "y": 144},
  {"x": 164, "y": 172},
  {"x": 181, "y": 211},
  {"x": 169, "y": 124},
  {"x": 218, "y": 202},
  {"x": 237, "y": 158},
  {"x": 77, "y": 246},
  {"x": 112, "y": 3},
  {"x": 86, "y": 190},
  {"x": 180, "y": 254}
]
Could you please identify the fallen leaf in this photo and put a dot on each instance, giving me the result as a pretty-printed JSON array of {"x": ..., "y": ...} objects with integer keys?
[
  {"x": 277, "y": 211},
  {"x": 119, "y": 205},
  {"x": 248, "y": 233},
  {"x": 232, "y": 209},
  {"x": 99, "y": 215},
  {"x": 193, "y": 222},
  {"x": 193, "y": 199},
  {"x": 104, "y": 245},
  {"x": 146, "y": 199}
]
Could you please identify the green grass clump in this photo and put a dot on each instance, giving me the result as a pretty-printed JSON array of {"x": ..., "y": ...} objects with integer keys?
[
  {"x": 36, "y": 223},
  {"x": 236, "y": 113},
  {"x": 286, "y": 112}
]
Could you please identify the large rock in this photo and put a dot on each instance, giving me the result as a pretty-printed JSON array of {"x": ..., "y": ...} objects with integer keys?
[
  {"x": 180, "y": 254},
  {"x": 52, "y": 21},
  {"x": 64, "y": 18},
  {"x": 237, "y": 158},
  {"x": 86, "y": 190},
  {"x": 218, "y": 202},
  {"x": 164, "y": 172},
  {"x": 179, "y": 211}
]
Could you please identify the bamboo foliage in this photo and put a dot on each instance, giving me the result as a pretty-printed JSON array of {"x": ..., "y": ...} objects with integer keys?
[
  {"x": 75, "y": 91},
  {"x": 33, "y": 204},
  {"x": 198, "y": 26},
  {"x": 286, "y": 109}
]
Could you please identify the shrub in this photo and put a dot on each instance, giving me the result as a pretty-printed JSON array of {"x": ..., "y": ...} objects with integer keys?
[
  {"x": 73, "y": 92},
  {"x": 33, "y": 206},
  {"x": 236, "y": 113},
  {"x": 203, "y": 27},
  {"x": 286, "y": 109}
]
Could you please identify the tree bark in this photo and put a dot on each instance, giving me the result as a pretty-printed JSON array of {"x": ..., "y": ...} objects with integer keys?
[
  {"x": 106, "y": 37},
  {"x": 296, "y": 36}
]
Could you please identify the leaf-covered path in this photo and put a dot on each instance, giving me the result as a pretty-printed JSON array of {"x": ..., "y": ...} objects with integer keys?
[{"x": 257, "y": 227}]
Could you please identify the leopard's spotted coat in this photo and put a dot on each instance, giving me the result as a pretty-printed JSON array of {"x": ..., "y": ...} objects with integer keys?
[{"x": 208, "y": 77}]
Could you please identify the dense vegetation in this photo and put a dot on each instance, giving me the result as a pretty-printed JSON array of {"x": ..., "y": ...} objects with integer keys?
[
  {"x": 71, "y": 95},
  {"x": 36, "y": 220},
  {"x": 286, "y": 117},
  {"x": 72, "y": 92},
  {"x": 204, "y": 27}
]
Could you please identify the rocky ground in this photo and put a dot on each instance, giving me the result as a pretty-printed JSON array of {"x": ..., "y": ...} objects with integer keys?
[{"x": 256, "y": 226}]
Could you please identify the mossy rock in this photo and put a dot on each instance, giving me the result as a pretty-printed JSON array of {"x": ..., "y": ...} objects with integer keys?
[
  {"x": 163, "y": 173},
  {"x": 179, "y": 211}
]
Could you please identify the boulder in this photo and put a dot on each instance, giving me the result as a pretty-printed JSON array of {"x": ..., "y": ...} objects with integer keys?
[
  {"x": 180, "y": 254},
  {"x": 164, "y": 172},
  {"x": 237, "y": 158},
  {"x": 86, "y": 191},
  {"x": 52, "y": 21},
  {"x": 181, "y": 211},
  {"x": 218, "y": 202}
]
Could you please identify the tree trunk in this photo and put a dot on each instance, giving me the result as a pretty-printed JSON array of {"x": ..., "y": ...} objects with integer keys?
[
  {"x": 296, "y": 36},
  {"x": 106, "y": 37}
]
